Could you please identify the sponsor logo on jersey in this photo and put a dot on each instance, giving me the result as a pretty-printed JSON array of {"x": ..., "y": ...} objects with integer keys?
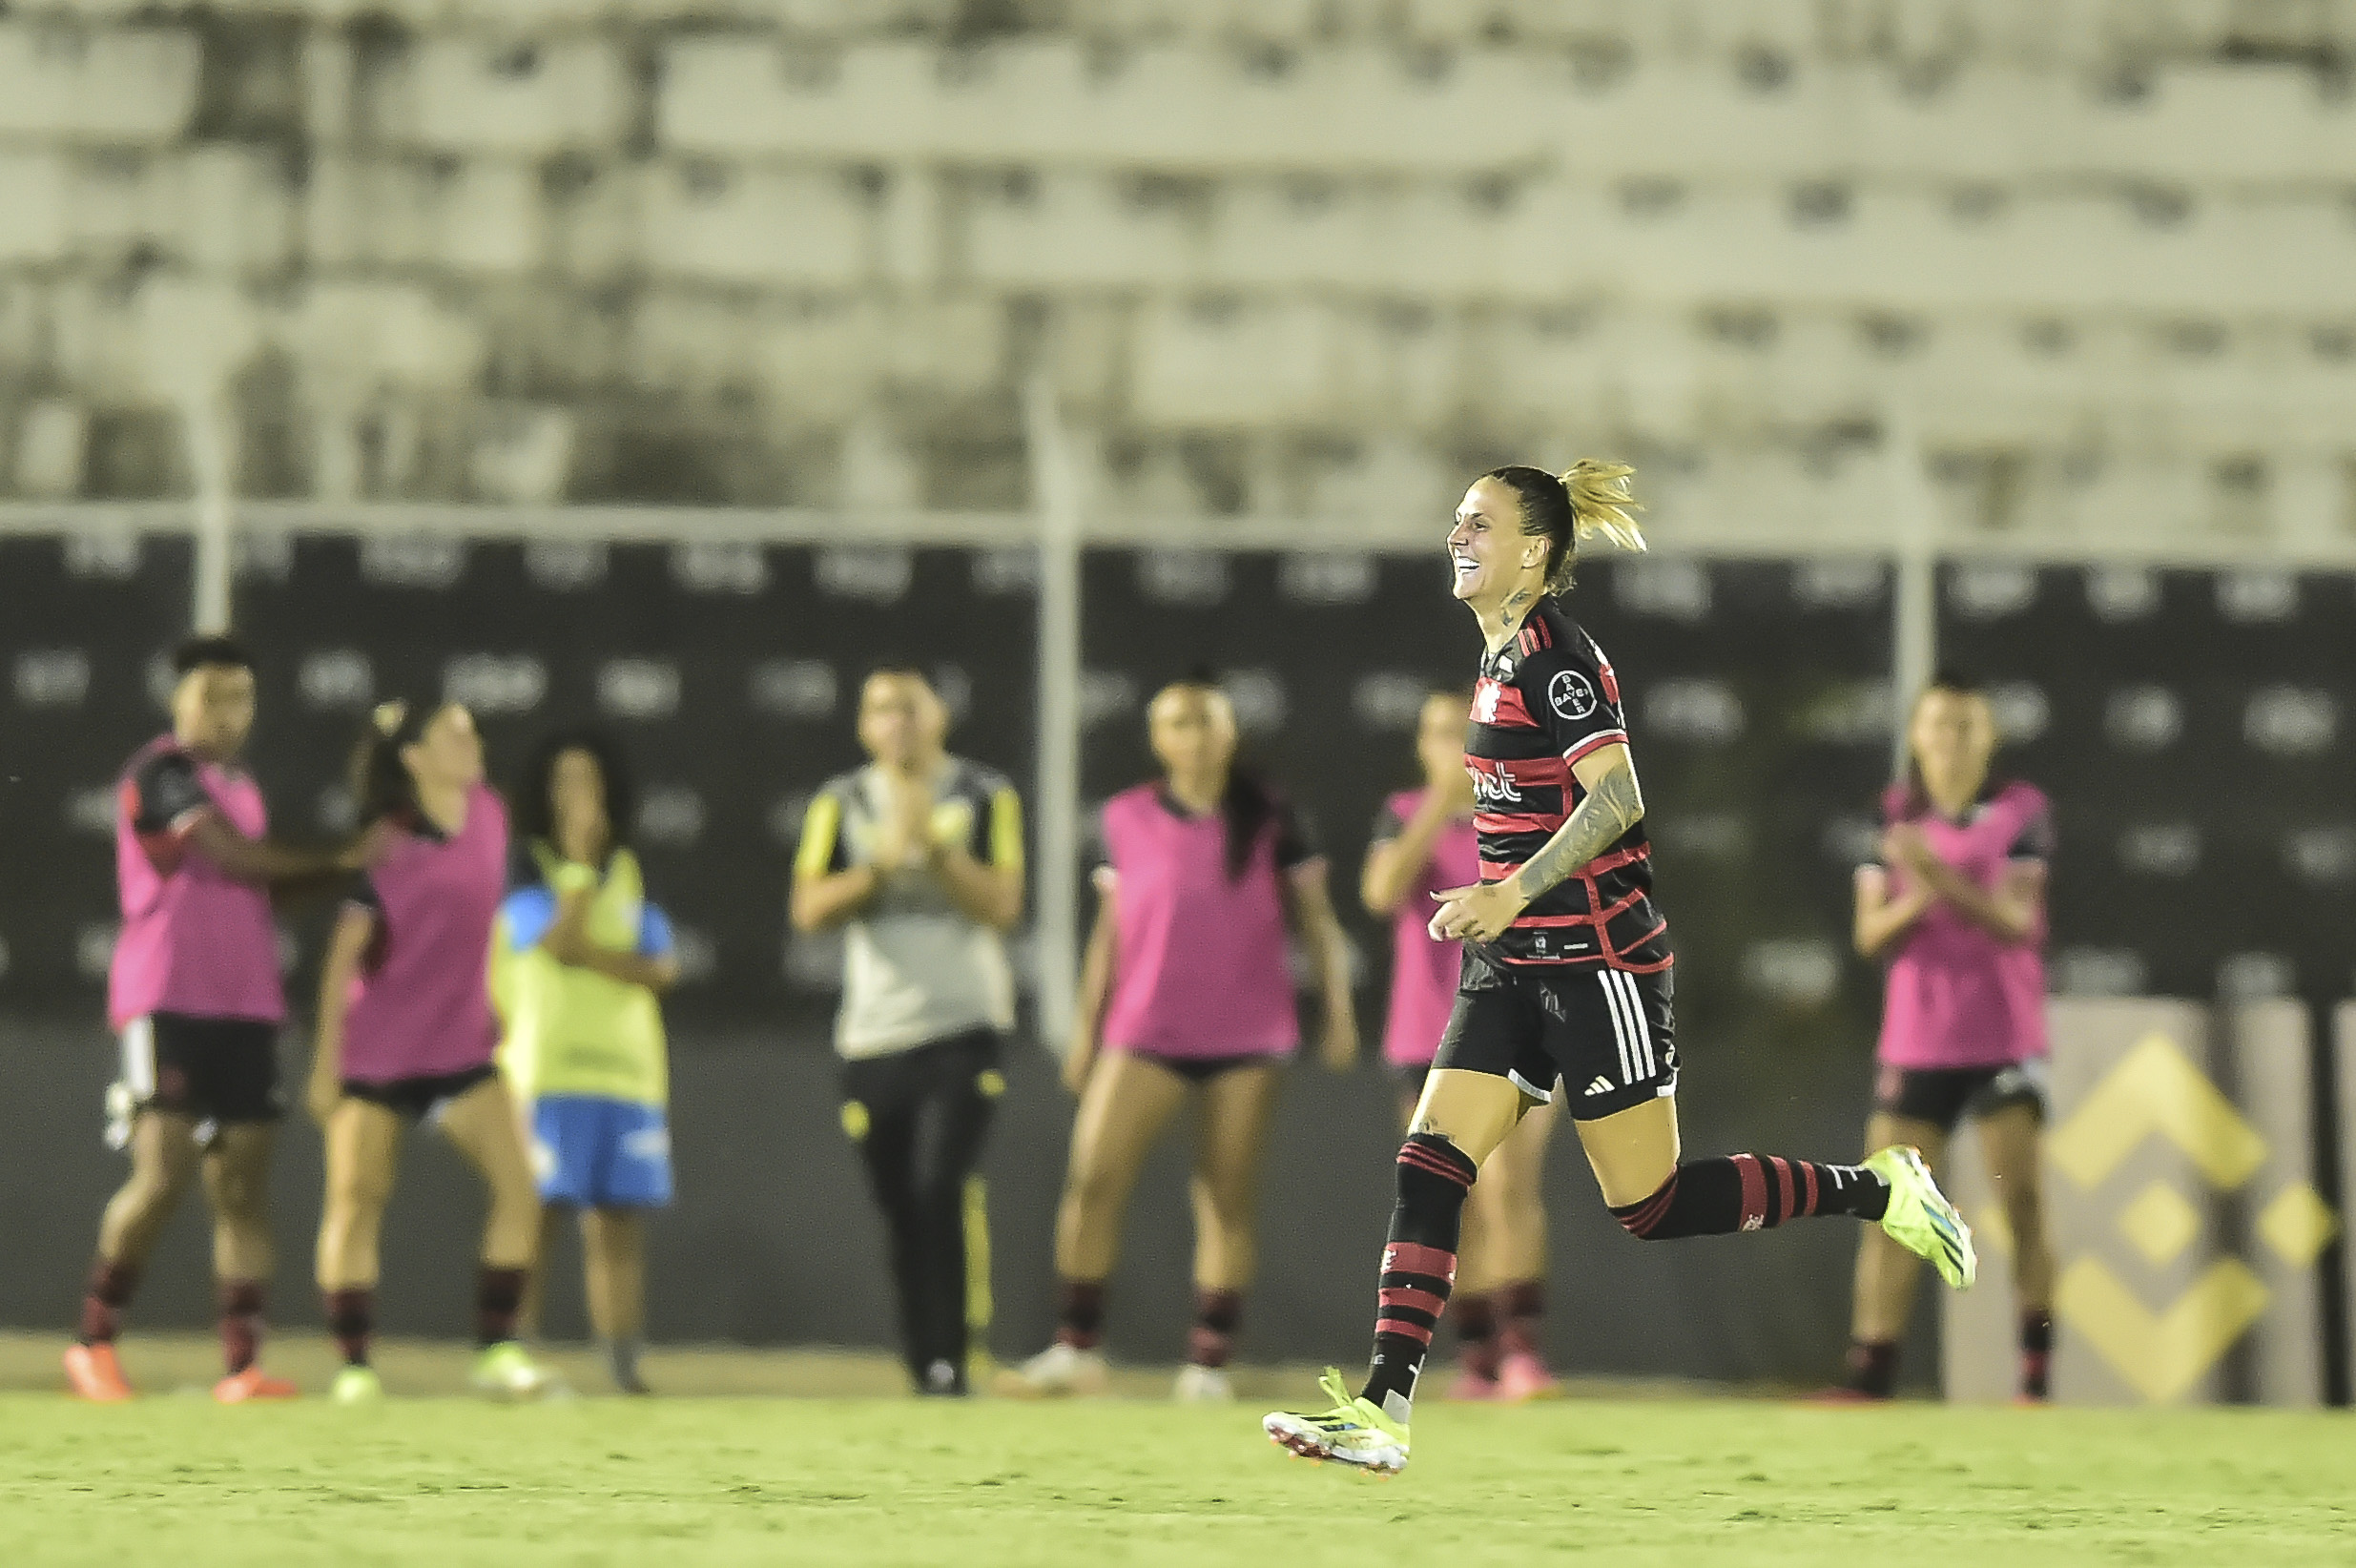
[
  {"x": 1485, "y": 704},
  {"x": 1498, "y": 786},
  {"x": 1571, "y": 694}
]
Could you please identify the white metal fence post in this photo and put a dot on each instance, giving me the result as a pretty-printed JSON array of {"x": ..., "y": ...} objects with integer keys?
[{"x": 1059, "y": 482}]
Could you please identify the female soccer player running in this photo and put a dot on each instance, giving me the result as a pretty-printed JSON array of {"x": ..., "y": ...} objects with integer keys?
[
  {"x": 1566, "y": 971},
  {"x": 1186, "y": 993},
  {"x": 194, "y": 993},
  {"x": 1956, "y": 903},
  {"x": 1423, "y": 842},
  {"x": 406, "y": 1033},
  {"x": 579, "y": 961}
]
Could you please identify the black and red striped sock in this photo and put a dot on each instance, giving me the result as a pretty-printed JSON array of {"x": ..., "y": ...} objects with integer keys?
[
  {"x": 1752, "y": 1192},
  {"x": 351, "y": 1319},
  {"x": 104, "y": 1298},
  {"x": 1477, "y": 1341},
  {"x": 1079, "y": 1313},
  {"x": 2037, "y": 1354},
  {"x": 242, "y": 1324},
  {"x": 1217, "y": 1315},
  {"x": 1523, "y": 1314},
  {"x": 498, "y": 1296},
  {"x": 1418, "y": 1265}
]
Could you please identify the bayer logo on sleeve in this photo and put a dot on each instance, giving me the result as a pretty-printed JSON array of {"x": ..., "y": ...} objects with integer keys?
[{"x": 1571, "y": 694}]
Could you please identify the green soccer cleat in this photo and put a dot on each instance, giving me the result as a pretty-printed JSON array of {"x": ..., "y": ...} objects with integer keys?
[
  {"x": 1354, "y": 1433},
  {"x": 507, "y": 1371},
  {"x": 357, "y": 1386},
  {"x": 1921, "y": 1220}
]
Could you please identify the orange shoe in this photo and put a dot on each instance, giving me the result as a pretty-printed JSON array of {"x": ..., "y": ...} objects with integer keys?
[
  {"x": 253, "y": 1383},
  {"x": 93, "y": 1373}
]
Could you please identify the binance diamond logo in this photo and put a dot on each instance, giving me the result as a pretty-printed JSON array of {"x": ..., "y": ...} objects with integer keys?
[
  {"x": 2298, "y": 1224},
  {"x": 2152, "y": 1089},
  {"x": 2160, "y": 1354},
  {"x": 2160, "y": 1222}
]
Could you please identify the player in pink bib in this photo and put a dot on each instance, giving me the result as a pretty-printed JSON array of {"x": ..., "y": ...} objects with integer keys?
[
  {"x": 1424, "y": 841},
  {"x": 1955, "y": 906},
  {"x": 1187, "y": 992},
  {"x": 192, "y": 991},
  {"x": 406, "y": 1032}
]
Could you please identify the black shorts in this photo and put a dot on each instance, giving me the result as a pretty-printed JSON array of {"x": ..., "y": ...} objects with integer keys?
[
  {"x": 1943, "y": 1096},
  {"x": 418, "y": 1098},
  {"x": 1199, "y": 1070},
  {"x": 210, "y": 1070},
  {"x": 1608, "y": 1034}
]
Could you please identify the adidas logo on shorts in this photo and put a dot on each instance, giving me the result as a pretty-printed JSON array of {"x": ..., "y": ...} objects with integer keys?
[{"x": 1602, "y": 1086}]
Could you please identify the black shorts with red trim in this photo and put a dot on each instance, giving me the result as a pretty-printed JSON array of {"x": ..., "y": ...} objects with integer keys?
[{"x": 1611, "y": 1035}]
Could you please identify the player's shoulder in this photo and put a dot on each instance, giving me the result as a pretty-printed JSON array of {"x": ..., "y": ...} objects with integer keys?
[
  {"x": 977, "y": 780},
  {"x": 1551, "y": 640},
  {"x": 2023, "y": 799},
  {"x": 842, "y": 789}
]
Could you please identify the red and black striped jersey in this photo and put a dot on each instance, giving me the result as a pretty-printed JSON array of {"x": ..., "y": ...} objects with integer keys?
[{"x": 1546, "y": 700}]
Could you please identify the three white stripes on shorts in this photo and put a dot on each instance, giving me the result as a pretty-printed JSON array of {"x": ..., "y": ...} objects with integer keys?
[{"x": 1630, "y": 1031}]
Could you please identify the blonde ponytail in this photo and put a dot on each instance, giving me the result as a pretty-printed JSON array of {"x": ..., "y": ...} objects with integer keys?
[{"x": 1600, "y": 504}]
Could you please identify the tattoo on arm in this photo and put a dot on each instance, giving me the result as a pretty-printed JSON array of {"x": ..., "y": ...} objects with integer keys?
[{"x": 1613, "y": 807}]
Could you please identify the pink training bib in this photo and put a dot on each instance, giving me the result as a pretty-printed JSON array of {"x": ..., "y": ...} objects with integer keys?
[
  {"x": 421, "y": 1004},
  {"x": 1425, "y": 972},
  {"x": 1956, "y": 996},
  {"x": 1200, "y": 965},
  {"x": 195, "y": 940}
]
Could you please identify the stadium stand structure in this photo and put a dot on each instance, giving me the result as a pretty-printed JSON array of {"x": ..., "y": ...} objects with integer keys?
[{"x": 1280, "y": 257}]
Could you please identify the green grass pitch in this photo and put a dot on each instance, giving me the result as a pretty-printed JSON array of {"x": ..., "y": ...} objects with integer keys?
[{"x": 180, "y": 1483}]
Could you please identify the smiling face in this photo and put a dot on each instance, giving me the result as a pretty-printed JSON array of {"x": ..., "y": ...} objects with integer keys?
[{"x": 1488, "y": 552}]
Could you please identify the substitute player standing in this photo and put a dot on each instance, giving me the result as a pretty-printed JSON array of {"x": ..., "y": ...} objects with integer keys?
[
  {"x": 1566, "y": 971},
  {"x": 1423, "y": 842},
  {"x": 1957, "y": 904},
  {"x": 1186, "y": 992},
  {"x": 580, "y": 959},
  {"x": 918, "y": 856},
  {"x": 192, "y": 991}
]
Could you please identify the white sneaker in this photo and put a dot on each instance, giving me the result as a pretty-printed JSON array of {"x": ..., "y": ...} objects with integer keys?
[
  {"x": 1202, "y": 1386},
  {"x": 1059, "y": 1371}
]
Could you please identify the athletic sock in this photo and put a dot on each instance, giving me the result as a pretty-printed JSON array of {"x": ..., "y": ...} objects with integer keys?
[
  {"x": 104, "y": 1298},
  {"x": 1217, "y": 1314},
  {"x": 1419, "y": 1266},
  {"x": 351, "y": 1319},
  {"x": 621, "y": 1361},
  {"x": 1522, "y": 1317},
  {"x": 242, "y": 1324},
  {"x": 1752, "y": 1192},
  {"x": 1079, "y": 1313},
  {"x": 2037, "y": 1354},
  {"x": 498, "y": 1296},
  {"x": 1476, "y": 1340},
  {"x": 1873, "y": 1368}
]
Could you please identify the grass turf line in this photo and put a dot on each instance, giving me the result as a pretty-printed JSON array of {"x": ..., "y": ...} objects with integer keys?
[{"x": 450, "y": 1483}]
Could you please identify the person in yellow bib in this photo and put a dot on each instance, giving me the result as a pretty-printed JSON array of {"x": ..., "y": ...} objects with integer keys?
[{"x": 579, "y": 961}]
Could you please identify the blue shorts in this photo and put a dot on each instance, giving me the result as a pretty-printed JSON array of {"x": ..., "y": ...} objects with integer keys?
[{"x": 595, "y": 1153}]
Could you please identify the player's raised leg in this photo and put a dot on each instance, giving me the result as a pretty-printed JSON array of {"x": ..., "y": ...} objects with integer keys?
[{"x": 482, "y": 1125}]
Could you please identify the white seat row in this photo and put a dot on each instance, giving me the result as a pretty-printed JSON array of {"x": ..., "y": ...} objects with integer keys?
[{"x": 134, "y": 84}]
